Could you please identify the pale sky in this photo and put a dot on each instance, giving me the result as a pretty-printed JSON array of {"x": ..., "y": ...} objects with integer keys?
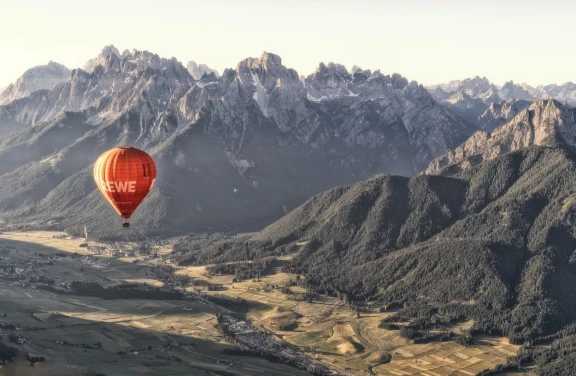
[{"x": 424, "y": 40}]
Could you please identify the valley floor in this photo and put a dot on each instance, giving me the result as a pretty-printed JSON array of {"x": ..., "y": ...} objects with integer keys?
[
  {"x": 158, "y": 337},
  {"x": 171, "y": 337},
  {"x": 332, "y": 333}
]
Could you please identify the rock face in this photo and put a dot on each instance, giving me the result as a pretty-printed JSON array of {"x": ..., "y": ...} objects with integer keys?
[
  {"x": 42, "y": 77},
  {"x": 565, "y": 93},
  {"x": 469, "y": 98},
  {"x": 197, "y": 71},
  {"x": 545, "y": 122},
  {"x": 500, "y": 113},
  {"x": 479, "y": 88},
  {"x": 472, "y": 99},
  {"x": 513, "y": 91},
  {"x": 109, "y": 53},
  {"x": 234, "y": 152}
]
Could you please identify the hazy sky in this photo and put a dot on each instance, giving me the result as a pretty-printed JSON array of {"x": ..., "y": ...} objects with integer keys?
[{"x": 424, "y": 40}]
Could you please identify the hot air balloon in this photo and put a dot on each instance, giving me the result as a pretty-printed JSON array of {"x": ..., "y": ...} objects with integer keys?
[
  {"x": 125, "y": 175},
  {"x": 235, "y": 190}
]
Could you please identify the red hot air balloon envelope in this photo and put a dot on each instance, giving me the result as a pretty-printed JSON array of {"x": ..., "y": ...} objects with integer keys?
[{"x": 124, "y": 176}]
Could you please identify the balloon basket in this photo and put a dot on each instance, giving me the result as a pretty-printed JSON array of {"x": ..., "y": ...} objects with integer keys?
[{"x": 126, "y": 224}]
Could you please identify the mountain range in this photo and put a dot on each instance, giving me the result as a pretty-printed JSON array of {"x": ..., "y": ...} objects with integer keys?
[
  {"x": 477, "y": 99},
  {"x": 544, "y": 122},
  {"x": 234, "y": 151}
]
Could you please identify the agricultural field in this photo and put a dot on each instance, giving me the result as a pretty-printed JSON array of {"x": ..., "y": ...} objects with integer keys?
[
  {"x": 79, "y": 335},
  {"x": 335, "y": 335}
]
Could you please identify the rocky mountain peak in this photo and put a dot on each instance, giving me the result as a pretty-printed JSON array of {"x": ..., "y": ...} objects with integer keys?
[
  {"x": 476, "y": 84},
  {"x": 54, "y": 66},
  {"x": 483, "y": 93},
  {"x": 42, "y": 77},
  {"x": 472, "y": 86},
  {"x": 472, "y": 97},
  {"x": 329, "y": 81},
  {"x": 365, "y": 74},
  {"x": 248, "y": 63},
  {"x": 330, "y": 72},
  {"x": 565, "y": 93},
  {"x": 114, "y": 84},
  {"x": 139, "y": 61},
  {"x": 109, "y": 57},
  {"x": 398, "y": 81},
  {"x": 439, "y": 94},
  {"x": 499, "y": 113},
  {"x": 510, "y": 90},
  {"x": 526, "y": 87},
  {"x": 264, "y": 74},
  {"x": 199, "y": 70},
  {"x": 458, "y": 96},
  {"x": 544, "y": 122},
  {"x": 491, "y": 95},
  {"x": 110, "y": 50},
  {"x": 270, "y": 59},
  {"x": 355, "y": 69},
  {"x": 267, "y": 62}
]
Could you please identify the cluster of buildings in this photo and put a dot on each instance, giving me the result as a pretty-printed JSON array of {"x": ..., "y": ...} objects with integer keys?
[
  {"x": 23, "y": 271},
  {"x": 94, "y": 262},
  {"x": 249, "y": 338},
  {"x": 15, "y": 336}
]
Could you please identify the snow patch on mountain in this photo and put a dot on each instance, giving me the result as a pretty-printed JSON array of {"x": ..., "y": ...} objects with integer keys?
[
  {"x": 241, "y": 165},
  {"x": 260, "y": 94}
]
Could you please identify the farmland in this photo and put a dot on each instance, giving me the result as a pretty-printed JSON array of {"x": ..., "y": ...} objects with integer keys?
[
  {"x": 81, "y": 334},
  {"x": 336, "y": 335}
]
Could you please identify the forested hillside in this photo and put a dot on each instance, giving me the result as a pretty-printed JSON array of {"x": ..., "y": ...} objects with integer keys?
[{"x": 495, "y": 243}]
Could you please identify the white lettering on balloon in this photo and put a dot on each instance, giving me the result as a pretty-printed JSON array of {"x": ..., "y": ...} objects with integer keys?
[{"x": 118, "y": 186}]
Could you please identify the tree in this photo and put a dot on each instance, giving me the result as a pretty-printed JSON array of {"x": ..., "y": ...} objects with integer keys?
[
  {"x": 12, "y": 337},
  {"x": 7, "y": 353}
]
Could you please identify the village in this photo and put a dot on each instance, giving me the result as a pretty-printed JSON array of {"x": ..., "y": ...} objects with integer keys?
[{"x": 261, "y": 342}]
